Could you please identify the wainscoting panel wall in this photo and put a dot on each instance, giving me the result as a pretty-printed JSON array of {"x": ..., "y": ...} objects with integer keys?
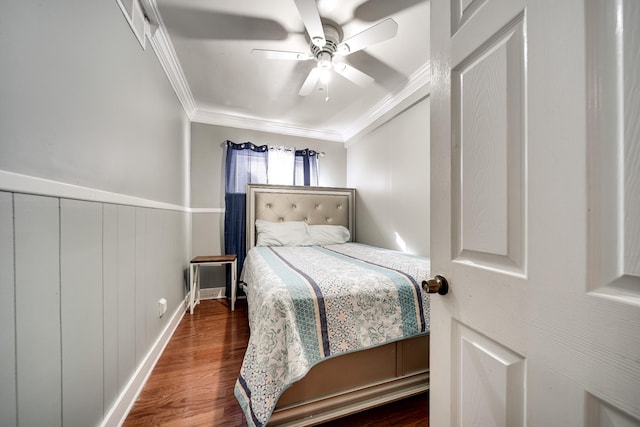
[
  {"x": 125, "y": 316},
  {"x": 110, "y": 301},
  {"x": 141, "y": 285},
  {"x": 81, "y": 309},
  {"x": 79, "y": 303},
  {"x": 7, "y": 314},
  {"x": 155, "y": 263},
  {"x": 38, "y": 367}
]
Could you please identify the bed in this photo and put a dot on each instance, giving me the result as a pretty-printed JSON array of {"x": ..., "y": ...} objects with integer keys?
[{"x": 336, "y": 326}]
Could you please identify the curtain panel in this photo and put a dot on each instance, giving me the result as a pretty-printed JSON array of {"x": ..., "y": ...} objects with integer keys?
[
  {"x": 306, "y": 167},
  {"x": 247, "y": 163}
]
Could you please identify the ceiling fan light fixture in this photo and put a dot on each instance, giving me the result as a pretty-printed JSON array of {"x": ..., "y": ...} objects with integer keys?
[
  {"x": 325, "y": 76},
  {"x": 324, "y": 61}
]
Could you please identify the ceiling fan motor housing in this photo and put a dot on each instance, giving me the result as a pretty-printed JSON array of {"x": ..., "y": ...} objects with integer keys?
[{"x": 325, "y": 53}]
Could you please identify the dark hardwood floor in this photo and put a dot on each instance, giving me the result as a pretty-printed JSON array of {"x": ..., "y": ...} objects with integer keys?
[{"x": 192, "y": 383}]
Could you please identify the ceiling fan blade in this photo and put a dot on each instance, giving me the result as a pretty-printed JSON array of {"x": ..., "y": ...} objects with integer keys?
[
  {"x": 353, "y": 74},
  {"x": 281, "y": 54},
  {"x": 310, "y": 82},
  {"x": 311, "y": 17},
  {"x": 375, "y": 34}
]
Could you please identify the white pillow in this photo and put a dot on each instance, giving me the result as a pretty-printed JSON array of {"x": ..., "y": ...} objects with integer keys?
[
  {"x": 328, "y": 234},
  {"x": 291, "y": 233}
]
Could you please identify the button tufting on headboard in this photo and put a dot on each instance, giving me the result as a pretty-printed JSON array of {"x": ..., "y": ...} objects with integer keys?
[{"x": 313, "y": 205}]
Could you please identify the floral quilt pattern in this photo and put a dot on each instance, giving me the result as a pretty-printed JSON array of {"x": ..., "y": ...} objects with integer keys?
[{"x": 314, "y": 302}]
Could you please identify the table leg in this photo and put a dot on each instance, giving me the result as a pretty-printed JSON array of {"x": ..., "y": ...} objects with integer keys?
[
  {"x": 234, "y": 284},
  {"x": 191, "y": 287},
  {"x": 194, "y": 298},
  {"x": 197, "y": 285}
]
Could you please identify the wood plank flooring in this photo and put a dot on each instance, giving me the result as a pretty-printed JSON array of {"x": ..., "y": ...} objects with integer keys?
[{"x": 192, "y": 383}]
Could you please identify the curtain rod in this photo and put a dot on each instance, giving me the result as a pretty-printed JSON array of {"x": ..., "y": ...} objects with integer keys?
[{"x": 320, "y": 153}]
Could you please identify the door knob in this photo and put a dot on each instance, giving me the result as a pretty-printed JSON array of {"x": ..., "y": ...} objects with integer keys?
[{"x": 437, "y": 284}]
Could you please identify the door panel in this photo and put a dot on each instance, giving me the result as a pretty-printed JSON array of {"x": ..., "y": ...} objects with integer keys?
[
  {"x": 463, "y": 10},
  {"x": 489, "y": 379},
  {"x": 600, "y": 414},
  {"x": 613, "y": 58},
  {"x": 614, "y": 137},
  {"x": 535, "y": 174},
  {"x": 488, "y": 142}
]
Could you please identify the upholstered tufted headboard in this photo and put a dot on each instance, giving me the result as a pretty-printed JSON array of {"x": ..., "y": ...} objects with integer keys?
[{"x": 314, "y": 205}]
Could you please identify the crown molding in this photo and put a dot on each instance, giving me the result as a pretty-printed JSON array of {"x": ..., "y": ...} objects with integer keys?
[
  {"x": 415, "y": 89},
  {"x": 164, "y": 50},
  {"x": 221, "y": 119}
]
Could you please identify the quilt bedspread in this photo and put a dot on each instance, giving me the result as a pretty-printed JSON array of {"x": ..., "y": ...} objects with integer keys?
[{"x": 310, "y": 303}]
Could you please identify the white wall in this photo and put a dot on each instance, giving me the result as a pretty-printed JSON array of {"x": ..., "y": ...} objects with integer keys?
[
  {"x": 389, "y": 167},
  {"x": 208, "y": 157},
  {"x": 82, "y": 103},
  {"x": 94, "y": 178},
  {"x": 207, "y": 181}
]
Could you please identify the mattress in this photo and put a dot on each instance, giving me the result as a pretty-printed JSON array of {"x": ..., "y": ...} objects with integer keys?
[{"x": 310, "y": 303}]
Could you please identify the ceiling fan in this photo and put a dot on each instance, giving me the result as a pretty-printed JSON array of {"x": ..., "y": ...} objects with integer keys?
[{"x": 326, "y": 43}]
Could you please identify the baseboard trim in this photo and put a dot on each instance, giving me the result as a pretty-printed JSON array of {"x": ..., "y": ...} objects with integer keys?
[{"x": 117, "y": 414}]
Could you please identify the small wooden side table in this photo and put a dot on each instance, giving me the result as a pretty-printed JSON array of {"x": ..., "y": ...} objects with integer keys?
[{"x": 210, "y": 260}]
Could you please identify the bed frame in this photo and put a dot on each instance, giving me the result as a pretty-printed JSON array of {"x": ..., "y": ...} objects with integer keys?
[{"x": 356, "y": 381}]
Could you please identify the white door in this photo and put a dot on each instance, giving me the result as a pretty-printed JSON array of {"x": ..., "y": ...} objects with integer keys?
[{"x": 535, "y": 199}]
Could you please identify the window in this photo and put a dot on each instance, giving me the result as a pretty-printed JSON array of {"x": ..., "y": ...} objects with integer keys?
[{"x": 248, "y": 163}]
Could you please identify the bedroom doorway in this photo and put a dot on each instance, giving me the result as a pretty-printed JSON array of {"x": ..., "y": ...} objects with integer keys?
[{"x": 534, "y": 166}]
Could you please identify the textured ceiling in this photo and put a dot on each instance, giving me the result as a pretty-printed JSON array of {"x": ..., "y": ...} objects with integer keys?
[{"x": 211, "y": 43}]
